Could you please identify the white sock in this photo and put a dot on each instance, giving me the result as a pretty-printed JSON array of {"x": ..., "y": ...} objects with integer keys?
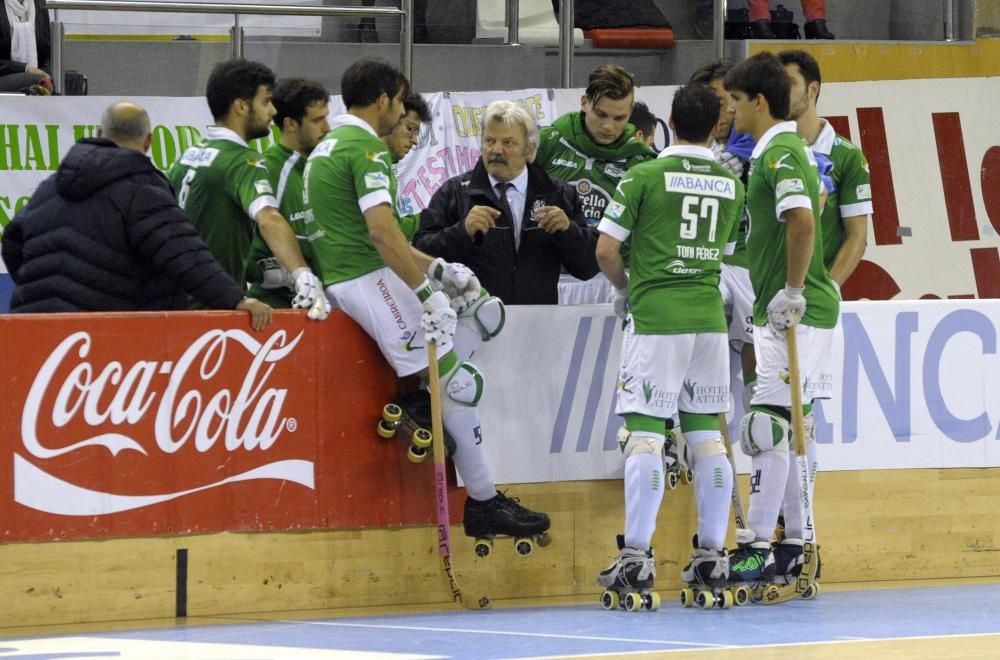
[
  {"x": 643, "y": 494},
  {"x": 768, "y": 474},
  {"x": 790, "y": 506},
  {"x": 713, "y": 487},
  {"x": 462, "y": 424}
]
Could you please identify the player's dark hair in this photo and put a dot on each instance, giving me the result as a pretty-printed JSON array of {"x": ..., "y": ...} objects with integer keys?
[
  {"x": 642, "y": 118},
  {"x": 293, "y": 96},
  {"x": 712, "y": 71},
  {"x": 695, "y": 111},
  {"x": 235, "y": 79},
  {"x": 368, "y": 79},
  {"x": 765, "y": 75},
  {"x": 609, "y": 80},
  {"x": 415, "y": 103},
  {"x": 808, "y": 66}
]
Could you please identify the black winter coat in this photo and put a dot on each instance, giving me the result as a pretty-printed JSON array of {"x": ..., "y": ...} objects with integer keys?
[
  {"x": 528, "y": 275},
  {"x": 42, "y": 39},
  {"x": 104, "y": 233}
]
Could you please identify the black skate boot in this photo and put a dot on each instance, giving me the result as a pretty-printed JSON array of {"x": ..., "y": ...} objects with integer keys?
[
  {"x": 752, "y": 565},
  {"x": 707, "y": 576},
  {"x": 629, "y": 580},
  {"x": 504, "y": 516},
  {"x": 411, "y": 412},
  {"x": 788, "y": 562}
]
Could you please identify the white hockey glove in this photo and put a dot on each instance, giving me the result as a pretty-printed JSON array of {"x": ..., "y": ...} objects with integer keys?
[
  {"x": 620, "y": 303},
  {"x": 728, "y": 160},
  {"x": 786, "y": 308},
  {"x": 457, "y": 280},
  {"x": 439, "y": 320},
  {"x": 307, "y": 288}
]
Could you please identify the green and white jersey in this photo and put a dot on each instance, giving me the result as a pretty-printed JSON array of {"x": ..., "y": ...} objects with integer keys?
[
  {"x": 222, "y": 184},
  {"x": 284, "y": 170},
  {"x": 783, "y": 176},
  {"x": 853, "y": 195},
  {"x": 566, "y": 152},
  {"x": 349, "y": 172},
  {"x": 682, "y": 212}
]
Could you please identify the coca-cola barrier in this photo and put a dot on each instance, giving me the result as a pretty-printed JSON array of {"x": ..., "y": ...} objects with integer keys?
[{"x": 175, "y": 423}]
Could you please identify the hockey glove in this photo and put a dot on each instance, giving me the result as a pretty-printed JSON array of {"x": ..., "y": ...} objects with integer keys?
[
  {"x": 457, "y": 280},
  {"x": 620, "y": 303},
  {"x": 439, "y": 320},
  {"x": 307, "y": 288},
  {"x": 730, "y": 161},
  {"x": 786, "y": 308}
]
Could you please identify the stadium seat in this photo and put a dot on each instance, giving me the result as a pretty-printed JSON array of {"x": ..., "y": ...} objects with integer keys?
[{"x": 537, "y": 26}]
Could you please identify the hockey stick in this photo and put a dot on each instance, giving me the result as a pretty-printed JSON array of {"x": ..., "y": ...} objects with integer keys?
[
  {"x": 807, "y": 576},
  {"x": 441, "y": 488},
  {"x": 739, "y": 513}
]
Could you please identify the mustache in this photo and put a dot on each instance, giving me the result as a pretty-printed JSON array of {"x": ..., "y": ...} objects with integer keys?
[{"x": 498, "y": 159}]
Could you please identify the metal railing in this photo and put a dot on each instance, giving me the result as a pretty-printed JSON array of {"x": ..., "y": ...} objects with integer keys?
[{"x": 236, "y": 31}]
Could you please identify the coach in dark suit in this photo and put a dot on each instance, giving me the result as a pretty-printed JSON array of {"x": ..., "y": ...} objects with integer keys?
[{"x": 507, "y": 220}]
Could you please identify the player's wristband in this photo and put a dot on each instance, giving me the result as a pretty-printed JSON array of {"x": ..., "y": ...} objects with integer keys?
[
  {"x": 794, "y": 291},
  {"x": 423, "y": 290}
]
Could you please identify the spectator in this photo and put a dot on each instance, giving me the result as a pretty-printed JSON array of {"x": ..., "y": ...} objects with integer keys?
[
  {"x": 368, "y": 34},
  {"x": 645, "y": 124},
  {"x": 24, "y": 45},
  {"x": 508, "y": 220},
  {"x": 302, "y": 108},
  {"x": 221, "y": 182},
  {"x": 404, "y": 136},
  {"x": 105, "y": 234},
  {"x": 760, "y": 19}
]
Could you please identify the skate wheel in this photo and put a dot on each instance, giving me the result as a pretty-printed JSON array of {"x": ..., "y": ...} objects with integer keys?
[
  {"x": 392, "y": 413},
  {"x": 610, "y": 600},
  {"x": 483, "y": 548},
  {"x": 756, "y": 595},
  {"x": 653, "y": 601},
  {"x": 687, "y": 597},
  {"x": 672, "y": 479},
  {"x": 687, "y": 477},
  {"x": 385, "y": 429},
  {"x": 523, "y": 547},
  {"x": 422, "y": 438},
  {"x": 740, "y": 595},
  {"x": 770, "y": 593},
  {"x": 543, "y": 539},
  {"x": 416, "y": 454},
  {"x": 811, "y": 591},
  {"x": 633, "y": 602},
  {"x": 705, "y": 599},
  {"x": 726, "y": 600}
]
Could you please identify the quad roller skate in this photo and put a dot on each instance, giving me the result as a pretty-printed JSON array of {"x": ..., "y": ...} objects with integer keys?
[
  {"x": 788, "y": 560},
  {"x": 707, "y": 576},
  {"x": 628, "y": 582},
  {"x": 411, "y": 412},
  {"x": 505, "y": 517},
  {"x": 674, "y": 466},
  {"x": 751, "y": 566}
]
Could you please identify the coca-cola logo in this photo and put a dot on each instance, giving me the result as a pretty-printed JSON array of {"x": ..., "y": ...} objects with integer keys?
[{"x": 188, "y": 405}]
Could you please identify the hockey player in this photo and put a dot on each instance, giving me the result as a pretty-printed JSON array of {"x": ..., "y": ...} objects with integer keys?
[
  {"x": 221, "y": 182},
  {"x": 844, "y": 228},
  {"x": 793, "y": 293},
  {"x": 302, "y": 109},
  {"x": 401, "y": 140},
  {"x": 682, "y": 212},
  {"x": 388, "y": 287},
  {"x": 592, "y": 149}
]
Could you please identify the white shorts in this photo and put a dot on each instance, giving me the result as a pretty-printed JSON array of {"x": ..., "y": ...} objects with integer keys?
[
  {"x": 388, "y": 310},
  {"x": 663, "y": 373},
  {"x": 737, "y": 298},
  {"x": 815, "y": 364}
]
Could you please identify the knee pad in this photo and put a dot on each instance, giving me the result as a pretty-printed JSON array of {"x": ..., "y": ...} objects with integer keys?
[
  {"x": 639, "y": 442},
  {"x": 760, "y": 432},
  {"x": 486, "y": 315},
  {"x": 464, "y": 384},
  {"x": 706, "y": 449}
]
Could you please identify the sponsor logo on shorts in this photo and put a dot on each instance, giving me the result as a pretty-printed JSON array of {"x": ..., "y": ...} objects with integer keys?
[{"x": 390, "y": 302}]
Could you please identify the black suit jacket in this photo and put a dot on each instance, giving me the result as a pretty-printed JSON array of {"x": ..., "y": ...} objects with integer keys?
[{"x": 42, "y": 41}]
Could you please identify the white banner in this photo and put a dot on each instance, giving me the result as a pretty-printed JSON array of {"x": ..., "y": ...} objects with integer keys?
[{"x": 915, "y": 385}]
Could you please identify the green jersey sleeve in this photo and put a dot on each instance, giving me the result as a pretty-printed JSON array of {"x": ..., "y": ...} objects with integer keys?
[
  {"x": 854, "y": 190},
  {"x": 372, "y": 172},
  {"x": 788, "y": 167},
  {"x": 247, "y": 183}
]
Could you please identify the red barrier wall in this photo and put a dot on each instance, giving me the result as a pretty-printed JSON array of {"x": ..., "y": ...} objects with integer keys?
[{"x": 175, "y": 423}]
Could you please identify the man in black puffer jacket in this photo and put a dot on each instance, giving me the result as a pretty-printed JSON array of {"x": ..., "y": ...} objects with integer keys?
[{"x": 105, "y": 234}]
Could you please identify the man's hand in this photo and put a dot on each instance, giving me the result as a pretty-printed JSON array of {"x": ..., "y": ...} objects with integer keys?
[
  {"x": 457, "y": 280},
  {"x": 439, "y": 319},
  {"x": 260, "y": 314},
  {"x": 620, "y": 303},
  {"x": 481, "y": 219},
  {"x": 551, "y": 219},
  {"x": 786, "y": 308}
]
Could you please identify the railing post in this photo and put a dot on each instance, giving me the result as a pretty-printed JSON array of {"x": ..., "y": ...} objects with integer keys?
[
  {"x": 719, "y": 20},
  {"x": 406, "y": 40},
  {"x": 56, "y": 34},
  {"x": 513, "y": 22},
  {"x": 236, "y": 38},
  {"x": 566, "y": 25},
  {"x": 949, "y": 20}
]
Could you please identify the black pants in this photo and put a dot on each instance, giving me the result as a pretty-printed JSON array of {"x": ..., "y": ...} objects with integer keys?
[{"x": 15, "y": 82}]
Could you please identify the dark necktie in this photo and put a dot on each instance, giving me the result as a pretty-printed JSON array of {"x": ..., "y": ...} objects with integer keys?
[{"x": 502, "y": 189}]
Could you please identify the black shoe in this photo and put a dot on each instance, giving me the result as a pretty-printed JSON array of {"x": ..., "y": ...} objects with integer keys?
[
  {"x": 502, "y": 515},
  {"x": 762, "y": 30},
  {"x": 817, "y": 30}
]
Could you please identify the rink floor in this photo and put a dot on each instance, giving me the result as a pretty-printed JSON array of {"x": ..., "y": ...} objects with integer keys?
[{"x": 942, "y": 620}]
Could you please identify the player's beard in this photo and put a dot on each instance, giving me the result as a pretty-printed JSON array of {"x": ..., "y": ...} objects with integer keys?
[{"x": 257, "y": 128}]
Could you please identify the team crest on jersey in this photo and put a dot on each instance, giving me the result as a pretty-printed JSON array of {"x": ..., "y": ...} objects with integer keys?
[
  {"x": 788, "y": 186},
  {"x": 376, "y": 180}
]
